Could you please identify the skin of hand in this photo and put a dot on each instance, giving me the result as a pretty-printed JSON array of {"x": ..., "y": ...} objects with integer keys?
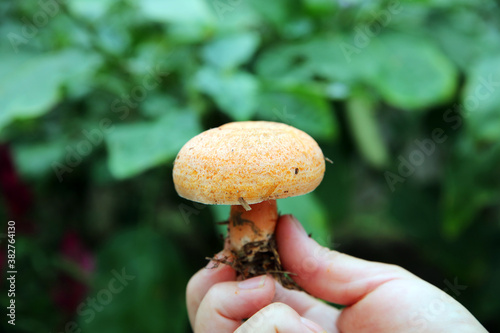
[{"x": 377, "y": 297}]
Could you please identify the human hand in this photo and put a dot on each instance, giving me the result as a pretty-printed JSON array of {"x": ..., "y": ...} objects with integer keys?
[{"x": 378, "y": 297}]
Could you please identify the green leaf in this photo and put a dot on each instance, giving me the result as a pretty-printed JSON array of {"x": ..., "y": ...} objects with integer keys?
[
  {"x": 139, "y": 146},
  {"x": 321, "y": 7},
  {"x": 188, "y": 21},
  {"x": 158, "y": 105},
  {"x": 31, "y": 85},
  {"x": 300, "y": 108},
  {"x": 91, "y": 9},
  {"x": 235, "y": 92},
  {"x": 364, "y": 127},
  {"x": 285, "y": 62},
  {"x": 136, "y": 286},
  {"x": 412, "y": 73},
  {"x": 277, "y": 11},
  {"x": 311, "y": 214},
  {"x": 471, "y": 184},
  {"x": 408, "y": 72},
  {"x": 220, "y": 213},
  {"x": 465, "y": 27},
  {"x": 231, "y": 51},
  {"x": 175, "y": 11},
  {"x": 330, "y": 57},
  {"x": 35, "y": 160},
  {"x": 235, "y": 15},
  {"x": 481, "y": 100}
]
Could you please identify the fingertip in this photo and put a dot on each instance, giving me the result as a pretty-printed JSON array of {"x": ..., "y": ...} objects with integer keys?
[
  {"x": 312, "y": 326},
  {"x": 214, "y": 268},
  {"x": 294, "y": 245},
  {"x": 289, "y": 228},
  {"x": 214, "y": 272},
  {"x": 199, "y": 284},
  {"x": 292, "y": 221},
  {"x": 220, "y": 264}
]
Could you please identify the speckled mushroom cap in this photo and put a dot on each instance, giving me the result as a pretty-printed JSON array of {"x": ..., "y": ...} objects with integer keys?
[{"x": 253, "y": 160}]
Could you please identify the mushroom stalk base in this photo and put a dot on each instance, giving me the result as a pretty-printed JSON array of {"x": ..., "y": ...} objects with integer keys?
[{"x": 253, "y": 246}]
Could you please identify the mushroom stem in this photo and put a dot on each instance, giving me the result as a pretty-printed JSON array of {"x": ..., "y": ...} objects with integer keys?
[
  {"x": 252, "y": 243},
  {"x": 255, "y": 225}
]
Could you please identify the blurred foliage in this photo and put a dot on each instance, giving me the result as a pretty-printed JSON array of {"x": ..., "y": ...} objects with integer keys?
[{"x": 97, "y": 97}]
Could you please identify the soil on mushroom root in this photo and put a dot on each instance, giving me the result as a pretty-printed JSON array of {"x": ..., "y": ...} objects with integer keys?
[{"x": 259, "y": 258}]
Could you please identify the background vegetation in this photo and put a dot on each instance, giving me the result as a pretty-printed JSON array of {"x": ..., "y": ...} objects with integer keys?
[{"x": 97, "y": 97}]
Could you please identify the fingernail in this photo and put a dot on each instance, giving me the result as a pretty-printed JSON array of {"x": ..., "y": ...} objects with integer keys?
[
  {"x": 297, "y": 224},
  {"x": 218, "y": 260},
  {"x": 253, "y": 283},
  {"x": 312, "y": 325},
  {"x": 212, "y": 265}
]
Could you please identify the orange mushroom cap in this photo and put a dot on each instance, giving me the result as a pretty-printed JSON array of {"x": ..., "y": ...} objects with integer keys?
[{"x": 253, "y": 160}]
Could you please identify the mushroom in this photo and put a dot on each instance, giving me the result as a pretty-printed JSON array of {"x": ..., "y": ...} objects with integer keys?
[{"x": 249, "y": 165}]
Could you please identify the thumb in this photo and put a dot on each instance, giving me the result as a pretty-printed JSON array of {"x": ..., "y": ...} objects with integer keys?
[
  {"x": 328, "y": 274},
  {"x": 380, "y": 297}
]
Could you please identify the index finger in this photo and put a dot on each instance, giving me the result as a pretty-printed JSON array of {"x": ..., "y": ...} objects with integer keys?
[{"x": 202, "y": 281}]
